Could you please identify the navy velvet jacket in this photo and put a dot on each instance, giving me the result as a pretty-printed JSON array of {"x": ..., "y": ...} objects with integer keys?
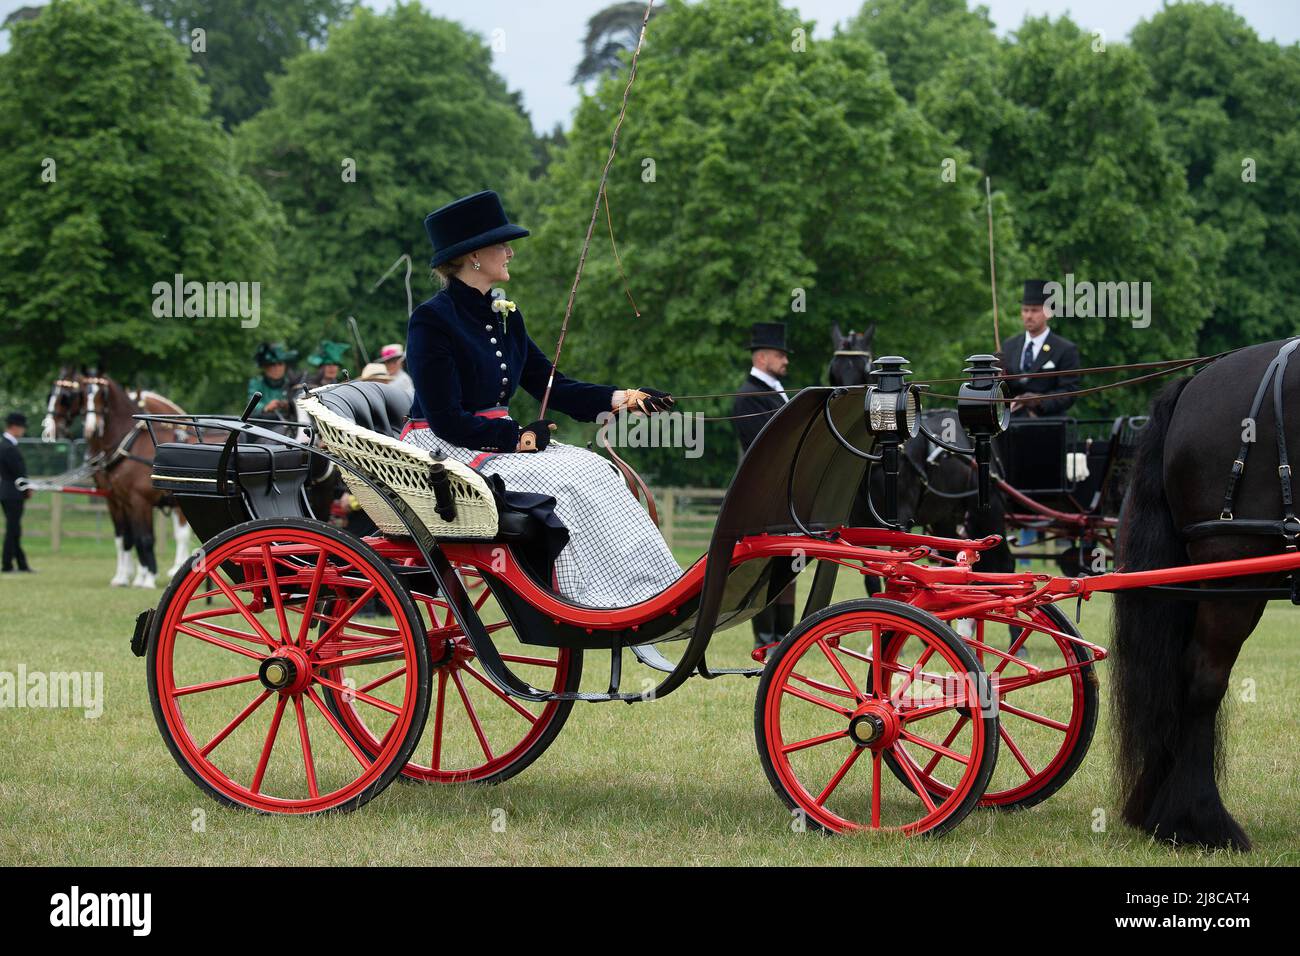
[{"x": 464, "y": 358}]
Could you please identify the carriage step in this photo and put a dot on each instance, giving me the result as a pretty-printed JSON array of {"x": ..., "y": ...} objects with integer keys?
[{"x": 141, "y": 634}]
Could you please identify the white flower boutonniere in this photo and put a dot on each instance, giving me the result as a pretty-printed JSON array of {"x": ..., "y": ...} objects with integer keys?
[{"x": 503, "y": 307}]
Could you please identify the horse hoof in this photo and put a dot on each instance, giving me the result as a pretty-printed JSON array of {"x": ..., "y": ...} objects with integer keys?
[{"x": 119, "y": 583}]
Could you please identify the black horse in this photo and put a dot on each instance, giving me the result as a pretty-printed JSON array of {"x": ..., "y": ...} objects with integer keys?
[
  {"x": 1174, "y": 657},
  {"x": 936, "y": 488}
]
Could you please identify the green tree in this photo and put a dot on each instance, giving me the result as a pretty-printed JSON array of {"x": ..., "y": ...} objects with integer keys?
[
  {"x": 400, "y": 113},
  {"x": 1064, "y": 125},
  {"x": 761, "y": 176},
  {"x": 113, "y": 178},
  {"x": 244, "y": 44},
  {"x": 923, "y": 38},
  {"x": 1227, "y": 102}
]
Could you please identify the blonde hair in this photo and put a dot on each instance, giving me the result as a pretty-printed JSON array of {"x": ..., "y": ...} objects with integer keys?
[{"x": 445, "y": 270}]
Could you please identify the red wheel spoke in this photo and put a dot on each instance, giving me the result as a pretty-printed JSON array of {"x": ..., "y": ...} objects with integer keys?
[
  {"x": 304, "y": 738},
  {"x": 313, "y": 593},
  {"x": 436, "y": 761},
  {"x": 338, "y": 729},
  {"x": 905, "y": 761},
  {"x": 358, "y": 695},
  {"x": 270, "y": 743},
  {"x": 373, "y": 653},
  {"x": 518, "y": 708},
  {"x": 539, "y": 661},
  {"x": 473, "y": 717},
  {"x": 839, "y": 669},
  {"x": 834, "y": 782},
  {"x": 227, "y": 632},
  {"x": 379, "y": 682},
  {"x": 219, "y": 643},
  {"x": 947, "y": 742},
  {"x": 875, "y": 789},
  {"x": 812, "y": 699},
  {"x": 1036, "y": 718},
  {"x": 824, "y": 688},
  {"x": 341, "y": 621},
  {"x": 230, "y": 727},
  {"x": 911, "y": 675},
  {"x": 213, "y": 685},
  {"x": 214, "y": 575},
  {"x": 1020, "y": 758},
  {"x": 277, "y": 599},
  {"x": 814, "y": 741},
  {"x": 937, "y": 748},
  {"x": 877, "y": 673}
]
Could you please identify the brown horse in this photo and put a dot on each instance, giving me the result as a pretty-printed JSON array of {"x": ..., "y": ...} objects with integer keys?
[{"x": 126, "y": 465}]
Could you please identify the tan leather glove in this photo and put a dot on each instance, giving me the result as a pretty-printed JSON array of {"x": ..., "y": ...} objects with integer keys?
[{"x": 646, "y": 400}]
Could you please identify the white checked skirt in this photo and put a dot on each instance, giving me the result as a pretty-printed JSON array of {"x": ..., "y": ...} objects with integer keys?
[{"x": 615, "y": 556}]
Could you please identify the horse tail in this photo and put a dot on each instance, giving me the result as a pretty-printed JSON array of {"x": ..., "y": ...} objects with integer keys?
[{"x": 1149, "y": 631}]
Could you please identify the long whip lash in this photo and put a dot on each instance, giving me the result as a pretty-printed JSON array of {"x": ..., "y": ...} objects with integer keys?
[{"x": 595, "y": 212}]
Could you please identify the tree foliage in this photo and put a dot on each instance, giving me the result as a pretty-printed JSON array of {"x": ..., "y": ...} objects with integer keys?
[
  {"x": 113, "y": 178},
  {"x": 1228, "y": 104},
  {"x": 1065, "y": 125},
  {"x": 411, "y": 104},
  {"x": 246, "y": 43},
  {"x": 761, "y": 176}
]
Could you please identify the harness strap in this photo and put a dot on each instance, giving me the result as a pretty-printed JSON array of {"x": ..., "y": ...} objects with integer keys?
[{"x": 1275, "y": 372}]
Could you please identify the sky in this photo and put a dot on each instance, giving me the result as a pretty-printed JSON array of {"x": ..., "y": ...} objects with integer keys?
[{"x": 542, "y": 39}]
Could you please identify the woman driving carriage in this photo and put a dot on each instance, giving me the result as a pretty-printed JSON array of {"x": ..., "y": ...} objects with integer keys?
[{"x": 468, "y": 351}]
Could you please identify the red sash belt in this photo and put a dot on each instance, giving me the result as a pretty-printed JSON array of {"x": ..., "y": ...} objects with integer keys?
[{"x": 499, "y": 411}]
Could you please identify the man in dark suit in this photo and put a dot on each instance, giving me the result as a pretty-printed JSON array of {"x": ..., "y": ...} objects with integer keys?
[
  {"x": 762, "y": 394},
  {"x": 1039, "y": 349},
  {"x": 12, "y": 468}
]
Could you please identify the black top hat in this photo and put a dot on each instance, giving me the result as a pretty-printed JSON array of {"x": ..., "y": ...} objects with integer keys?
[
  {"x": 1034, "y": 293},
  {"x": 768, "y": 335},
  {"x": 16, "y": 418},
  {"x": 469, "y": 223}
]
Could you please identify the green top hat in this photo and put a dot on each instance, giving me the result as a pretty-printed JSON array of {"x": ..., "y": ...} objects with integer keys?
[
  {"x": 269, "y": 353},
  {"x": 329, "y": 353}
]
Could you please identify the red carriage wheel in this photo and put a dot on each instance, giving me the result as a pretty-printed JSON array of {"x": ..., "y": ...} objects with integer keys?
[
  {"x": 475, "y": 732},
  {"x": 238, "y": 664},
  {"x": 1047, "y": 705},
  {"x": 826, "y": 718}
]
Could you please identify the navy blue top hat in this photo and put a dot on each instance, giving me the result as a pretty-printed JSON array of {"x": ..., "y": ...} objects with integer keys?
[
  {"x": 469, "y": 223},
  {"x": 768, "y": 335},
  {"x": 1035, "y": 293}
]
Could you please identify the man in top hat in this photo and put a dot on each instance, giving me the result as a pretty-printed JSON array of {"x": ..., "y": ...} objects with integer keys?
[
  {"x": 761, "y": 395},
  {"x": 328, "y": 362},
  {"x": 1039, "y": 349},
  {"x": 394, "y": 358},
  {"x": 12, "y": 467},
  {"x": 275, "y": 381}
]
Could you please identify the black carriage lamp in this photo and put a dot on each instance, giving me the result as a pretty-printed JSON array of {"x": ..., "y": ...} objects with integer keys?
[
  {"x": 984, "y": 409},
  {"x": 893, "y": 410},
  {"x": 893, "y": 415}
]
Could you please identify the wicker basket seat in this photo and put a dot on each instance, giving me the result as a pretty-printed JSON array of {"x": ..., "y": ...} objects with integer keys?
[{"x": 404, "y": 468}]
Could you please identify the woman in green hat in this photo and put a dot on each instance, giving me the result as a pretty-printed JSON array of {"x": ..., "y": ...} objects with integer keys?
[{"x": 275, "y": 382}]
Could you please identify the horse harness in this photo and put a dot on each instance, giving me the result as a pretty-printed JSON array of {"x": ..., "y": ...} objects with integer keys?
[{"x": 1288, "y": 526}]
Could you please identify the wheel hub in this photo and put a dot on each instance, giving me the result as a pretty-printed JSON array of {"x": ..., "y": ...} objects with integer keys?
[
  {"x": 874, "y": 725},
  {"x": 288, "y": 671}
]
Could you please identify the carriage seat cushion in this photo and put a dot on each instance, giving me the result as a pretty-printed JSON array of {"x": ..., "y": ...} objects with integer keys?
[
  {"x": 377, "y": 406},
  {"x": 192, "y": 468}
]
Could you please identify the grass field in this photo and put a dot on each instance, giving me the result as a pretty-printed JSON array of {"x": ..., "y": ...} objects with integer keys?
[{"x": 677, "y": 781}]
